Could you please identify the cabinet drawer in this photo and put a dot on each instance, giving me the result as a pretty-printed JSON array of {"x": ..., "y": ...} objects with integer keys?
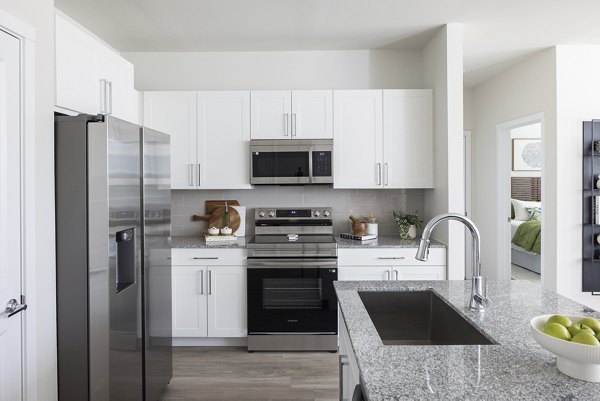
[
  {"x": 212, "y": 257},
  {"x": 389, "y": 257}
]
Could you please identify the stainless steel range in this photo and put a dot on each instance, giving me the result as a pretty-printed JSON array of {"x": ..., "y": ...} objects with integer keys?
[{"x": 292, "y": 264}]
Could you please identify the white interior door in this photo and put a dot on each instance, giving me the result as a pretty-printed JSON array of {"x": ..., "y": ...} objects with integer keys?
[{"x": 10, "y": 218}]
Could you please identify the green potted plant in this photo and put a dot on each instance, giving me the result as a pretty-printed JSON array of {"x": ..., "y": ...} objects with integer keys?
[{"x": 407, "y": 224}]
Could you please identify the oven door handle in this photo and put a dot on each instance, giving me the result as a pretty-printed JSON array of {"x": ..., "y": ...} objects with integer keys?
[{"x": 289, "y": 264}]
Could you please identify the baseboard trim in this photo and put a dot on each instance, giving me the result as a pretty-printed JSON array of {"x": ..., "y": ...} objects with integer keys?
[{"x": 210, "y": 341}]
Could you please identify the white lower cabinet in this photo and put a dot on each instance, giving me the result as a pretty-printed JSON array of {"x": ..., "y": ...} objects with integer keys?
[
  {"x": 390, "y": 264},
  {"x": 348, "y": 367},
  {"x": 209, "y": 301}
]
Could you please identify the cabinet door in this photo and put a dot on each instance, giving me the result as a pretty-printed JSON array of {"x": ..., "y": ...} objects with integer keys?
[
  {"x": 227, "y": 301},
  {"x": 77, "y": 83},
  {"x": 271, "y": 114},
  {"x": 223, "y": 139},
  {"x": 312, "y": 114},
  {"x": 189, "y": 301},
  {"x": 408, "y": 138},
  {"x": 174, "y": 113},
  {"x": 364, "y": 273},
  {"x": 406, "y": 273},
  {"x": 120, "y": 97},
  {"x": 358, "y": 139}
]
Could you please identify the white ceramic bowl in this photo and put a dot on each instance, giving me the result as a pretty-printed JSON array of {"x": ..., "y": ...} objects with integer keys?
[
  {"x": 576, "y": 360},
  {"x": 213, "y": 231},
  {"x": 226, "y": 231}
]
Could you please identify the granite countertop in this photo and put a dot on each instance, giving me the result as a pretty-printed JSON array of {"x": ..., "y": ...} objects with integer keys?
[
  {"x": 517, "y": 368},
  {"x": 196, "y": 242},
  {"x": 384, "y": 241}
]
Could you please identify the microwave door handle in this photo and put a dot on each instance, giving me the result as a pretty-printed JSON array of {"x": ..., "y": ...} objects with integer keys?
[{"x": 310, "y": 164}]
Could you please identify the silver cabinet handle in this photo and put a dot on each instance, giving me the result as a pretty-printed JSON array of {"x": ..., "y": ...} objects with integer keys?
[
  {"x": 109, "y": 99},
  {"x": 13, "y": 307},
  {"x": 396, "y": 273},
  {"x": 287, "y": 125},
  {"x": 199, "y": 174},
  {"x": 294, "y": 128},
  {"x": 191, "y": 175},
  {"x": 387, "y": 274},
  {"x": 386, "y": 174},
  {"x": 201, "y": 282},
  {"x": 342, "y": 363},
  {"x": 209, "y": 282},
  {"x": 378, "y": 173},
  {"x": 103, "y": 109},
  {"x": 205, "y": 257},
  {"x": 391, "y": 257}
]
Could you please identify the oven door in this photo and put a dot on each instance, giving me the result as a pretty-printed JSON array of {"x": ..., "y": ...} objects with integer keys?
[{"x": 292, "y": 296}]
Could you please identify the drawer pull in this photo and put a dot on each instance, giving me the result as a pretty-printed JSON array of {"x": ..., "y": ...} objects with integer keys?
[
  {"x": 206, "y": 258},
  {"x": 392, "y": 258}
]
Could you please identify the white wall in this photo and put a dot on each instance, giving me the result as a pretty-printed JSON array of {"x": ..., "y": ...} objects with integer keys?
[
  {"x": 40, "y": 15},
  {"x": 578, "y": 85},
  {"x": 443, "y": 71},
  {"x": 526, "y": 89},
  {"x": 356, "y": 69}
]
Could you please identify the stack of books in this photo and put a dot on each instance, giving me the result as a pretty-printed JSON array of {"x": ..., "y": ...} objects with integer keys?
[
  {"x": 220, "y": 238},
  {"x": 367, "y": 237}
]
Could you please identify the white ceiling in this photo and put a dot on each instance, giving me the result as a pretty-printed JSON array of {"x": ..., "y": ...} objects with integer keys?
[{"x": 497, "y": 33}]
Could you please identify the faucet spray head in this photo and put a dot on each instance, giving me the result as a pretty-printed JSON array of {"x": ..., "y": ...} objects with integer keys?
[{"x": 423, "y": 251}]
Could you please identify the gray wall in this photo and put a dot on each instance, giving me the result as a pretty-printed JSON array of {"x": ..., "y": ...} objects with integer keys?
[{"x": 345, "y": 202}]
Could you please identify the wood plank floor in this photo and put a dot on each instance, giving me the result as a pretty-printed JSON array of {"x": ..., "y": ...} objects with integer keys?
[{"x": 231, "y": 373}]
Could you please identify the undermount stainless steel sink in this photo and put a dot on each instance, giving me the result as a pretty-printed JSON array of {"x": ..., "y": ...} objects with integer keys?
[{"x": 419, "y": 318}]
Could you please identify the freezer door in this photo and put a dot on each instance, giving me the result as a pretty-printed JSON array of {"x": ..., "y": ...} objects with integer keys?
[
  {"x": 158, "y": 365},
  {"x": 115, "y": 280}
]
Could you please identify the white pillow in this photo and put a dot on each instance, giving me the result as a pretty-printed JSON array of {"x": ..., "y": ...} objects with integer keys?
[{"x": 521, "y": 212}]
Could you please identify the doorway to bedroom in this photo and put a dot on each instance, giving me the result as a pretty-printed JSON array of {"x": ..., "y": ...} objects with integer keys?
[{"x": 522, "y": 158}]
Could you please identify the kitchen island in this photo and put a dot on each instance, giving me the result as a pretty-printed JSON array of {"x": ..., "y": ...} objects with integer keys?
[{"x": 515, "y": 368}]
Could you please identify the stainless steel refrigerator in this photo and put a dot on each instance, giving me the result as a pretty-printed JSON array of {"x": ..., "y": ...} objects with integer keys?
[{"x": 113, "y": 255}]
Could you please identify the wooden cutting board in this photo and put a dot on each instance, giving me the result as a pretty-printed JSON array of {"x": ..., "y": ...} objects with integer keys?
[
  {"x": 216, "y": 218},
  {"x": 211, "y": 205}
]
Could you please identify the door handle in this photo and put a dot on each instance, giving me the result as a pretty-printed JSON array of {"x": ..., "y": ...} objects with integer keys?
[
  {"x": 387, "y": 274},
  {"x": 378, "y": 173},
  {"x": 396, "y": 273},
  {"x": 191, "y": 175},
  {"x": 391, "y": 257},
  {"x": 386, "y": 174},
  {"x": 209, "y": 282},
  {"x": 13, "y": 307},
  {"x": 199, "y": 174},
  {"x": 207, "y": 257},
  {"x": 294, "y": 127},
  {"x": 201, "y": 282},
  {"x": 103, "y": 108},
  {"x": 109, "y": 99},
  {"x": 287, "y": 125},
  {"x": 342, "y": 363}
]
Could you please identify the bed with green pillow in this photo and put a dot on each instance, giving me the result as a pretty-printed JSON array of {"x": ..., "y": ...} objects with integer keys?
[{"x": 526, "y": 230}]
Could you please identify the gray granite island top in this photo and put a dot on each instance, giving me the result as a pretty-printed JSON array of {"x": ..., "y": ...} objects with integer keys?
[
  {"x": 516, "y": 368},
  {"x": 384, "y": 241}
]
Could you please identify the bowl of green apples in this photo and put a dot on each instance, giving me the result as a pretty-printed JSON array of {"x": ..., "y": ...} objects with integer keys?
[{"x": 575, "y": 340}]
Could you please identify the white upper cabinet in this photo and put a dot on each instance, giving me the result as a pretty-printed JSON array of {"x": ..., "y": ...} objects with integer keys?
[
  {"x": 271, "y": 114},
  {"x": 304, "y": 114},
  {"x": 223, "y": 139},
  {"x": 358, "y": 139},
  {"x": 174, "y": 113},
  {"x": 408, "y": 138},
  {"x": 312, "y": 114},
  {"x": 91, "y": 77},
  {"x": 77, "y": 84}
]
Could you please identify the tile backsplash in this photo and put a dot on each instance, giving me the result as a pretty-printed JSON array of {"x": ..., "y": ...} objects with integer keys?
[{"x": 345, "y": 202}]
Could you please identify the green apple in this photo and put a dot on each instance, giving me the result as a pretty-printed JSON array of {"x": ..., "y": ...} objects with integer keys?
[
  {"x": 585, "y": 338},
  {"x": 557, "y": 330},
  {"x": 592, "y": 323},
  {"x": 560, "y": 319},
  {"x": 575, "y": 329}
]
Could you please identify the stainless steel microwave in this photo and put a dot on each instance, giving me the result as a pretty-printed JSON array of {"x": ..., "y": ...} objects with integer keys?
[{"x": 291, "y": 161}]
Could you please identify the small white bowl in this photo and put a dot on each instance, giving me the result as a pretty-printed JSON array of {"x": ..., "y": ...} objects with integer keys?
[
  {"x": 576, "y": 360},
  {"x": 226, "y": 231},
  {"x": 213, "y": 231}
]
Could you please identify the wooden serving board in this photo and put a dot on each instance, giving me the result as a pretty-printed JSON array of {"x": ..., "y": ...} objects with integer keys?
[
  {"x": 211, "y": 205},
  {"x": 216, "y": 218}
]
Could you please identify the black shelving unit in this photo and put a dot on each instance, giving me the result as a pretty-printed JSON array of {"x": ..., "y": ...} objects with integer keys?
[{"x": 591, "y": 227}]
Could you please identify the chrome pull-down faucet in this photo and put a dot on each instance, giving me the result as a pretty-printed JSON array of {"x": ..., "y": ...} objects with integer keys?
[{"x": 479, "y": 300}]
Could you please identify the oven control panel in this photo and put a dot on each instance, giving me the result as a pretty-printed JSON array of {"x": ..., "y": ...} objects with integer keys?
[{"x": 319, "y": 213}]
